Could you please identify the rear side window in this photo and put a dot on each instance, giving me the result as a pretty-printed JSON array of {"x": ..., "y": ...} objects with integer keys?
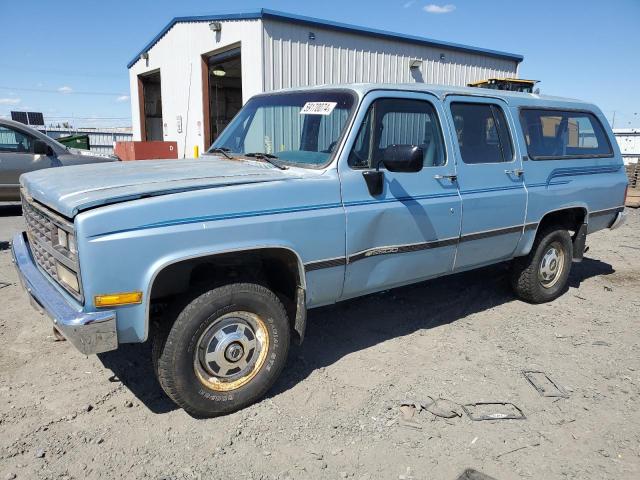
[
  {"x": 482, "y": 131},
  {"x": 558, "y": 134}
]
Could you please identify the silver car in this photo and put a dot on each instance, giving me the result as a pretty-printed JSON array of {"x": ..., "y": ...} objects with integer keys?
[{"x": 24, "y": 149}]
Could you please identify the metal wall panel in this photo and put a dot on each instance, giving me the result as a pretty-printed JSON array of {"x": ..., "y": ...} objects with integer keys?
[{"x": 291, "y": 59}]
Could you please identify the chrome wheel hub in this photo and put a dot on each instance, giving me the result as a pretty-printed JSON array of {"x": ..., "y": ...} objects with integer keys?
[
  {"x": 231, "y": 351},
  {"x": 551, "y": 266},
  {"x": 234, "y": 352}
]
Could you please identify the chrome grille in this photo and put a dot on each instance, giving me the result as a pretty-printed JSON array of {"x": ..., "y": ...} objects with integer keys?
[{"x": 42, "y": 232}]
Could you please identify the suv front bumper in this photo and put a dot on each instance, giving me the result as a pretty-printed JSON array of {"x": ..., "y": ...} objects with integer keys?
[{"x": 89, "y": 332}]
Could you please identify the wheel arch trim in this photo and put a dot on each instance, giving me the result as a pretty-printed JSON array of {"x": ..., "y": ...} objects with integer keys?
[
  {"x": 160, "y": 266},
  {"x": 531, "y": 228}
]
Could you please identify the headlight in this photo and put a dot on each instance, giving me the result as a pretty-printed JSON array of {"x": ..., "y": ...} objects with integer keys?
[
  {"x": 68, "y": 277},
  {"x": 63, "y": 240},
  {"x": 71, "y": 240},
  {"x": 67, "y": 240}
]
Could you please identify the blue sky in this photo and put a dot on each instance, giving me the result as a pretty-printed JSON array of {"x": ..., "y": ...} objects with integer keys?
[{"x": 68, "y": 59}]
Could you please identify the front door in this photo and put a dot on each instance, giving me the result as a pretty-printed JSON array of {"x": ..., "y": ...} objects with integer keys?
[
  {"x": 409, "y": 232},
  {"x": 490, "y": 180}
]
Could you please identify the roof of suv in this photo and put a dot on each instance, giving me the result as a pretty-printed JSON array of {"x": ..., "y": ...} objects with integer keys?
[{"x": 442, "y": 91}]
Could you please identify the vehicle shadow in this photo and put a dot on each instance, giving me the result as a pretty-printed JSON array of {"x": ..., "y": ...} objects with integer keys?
[
  {"x": 350, "y": 326},
  {"x": 347, "y": 327},
  {"x": 10, "y": 210},
  {"x": 131, "y": 365}
]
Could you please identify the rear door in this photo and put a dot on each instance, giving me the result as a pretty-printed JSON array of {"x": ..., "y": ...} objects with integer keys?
[
  {"x": 490, "y": 180},
  {"x": 409, "y": 232},
  {"x": 16, "y": 158}
]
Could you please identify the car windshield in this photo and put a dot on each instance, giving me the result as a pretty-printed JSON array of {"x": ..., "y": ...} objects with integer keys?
[{"x": 300, "y": 128}]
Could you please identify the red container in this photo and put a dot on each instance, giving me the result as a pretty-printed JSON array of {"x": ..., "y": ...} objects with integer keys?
[{"x": 146, "y": 150}]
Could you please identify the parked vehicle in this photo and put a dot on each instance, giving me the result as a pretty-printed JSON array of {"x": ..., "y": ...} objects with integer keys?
[
  {"x": 307, "y": 198},
  {"x": 25, "y": 149}
]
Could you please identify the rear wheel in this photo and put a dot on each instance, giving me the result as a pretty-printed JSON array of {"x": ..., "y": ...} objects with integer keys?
[
  {"x": 542, "y": 275},
  {"x": 224, "y": 351}
]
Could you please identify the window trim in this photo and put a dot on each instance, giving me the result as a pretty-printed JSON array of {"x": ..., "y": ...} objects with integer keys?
[
  {"x": 413, "y": 99},
  {"x": 509, "y": 130},
  {"x": 612, "y": 153}
]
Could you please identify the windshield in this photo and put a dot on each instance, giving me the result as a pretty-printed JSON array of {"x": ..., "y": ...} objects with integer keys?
[{"x": 300, "y": 128}]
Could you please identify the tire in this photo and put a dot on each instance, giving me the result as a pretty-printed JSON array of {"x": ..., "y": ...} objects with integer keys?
[
  {"x": 224, "y": 351},
  {"x": 532, "y": 276}
]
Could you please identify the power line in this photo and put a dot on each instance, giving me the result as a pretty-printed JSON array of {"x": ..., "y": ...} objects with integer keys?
[
  {"x": 62, "y": 91},
  {"x": 88, "y": 118},
  {"x": 65, "y": 73}
]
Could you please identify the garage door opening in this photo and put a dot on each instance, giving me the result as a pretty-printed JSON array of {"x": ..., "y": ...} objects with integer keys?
[
  {"x": 222, "y": 93},
  {"x": 150, "y": 106}
]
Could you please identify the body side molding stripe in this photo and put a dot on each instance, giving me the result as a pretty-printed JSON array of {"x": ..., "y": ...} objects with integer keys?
[
  {"x": 412, "y": 247},
  {"x": 320, "y": 264},
  {"x": 606, "y": 211}
]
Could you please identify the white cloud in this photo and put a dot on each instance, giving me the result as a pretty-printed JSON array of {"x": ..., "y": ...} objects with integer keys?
[
  {"x": 10, "y": 101},
  {"x": 66, "y": 89},
  {"x": 433, "y": 8},
  {"x": 409, "y": 4},
  {"x": 122, "y": 98}
]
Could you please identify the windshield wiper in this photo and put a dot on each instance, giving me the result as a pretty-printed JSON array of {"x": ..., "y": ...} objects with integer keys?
[
  {"x": 267, "y": 157},
  {"x": 222, "y": 150}
]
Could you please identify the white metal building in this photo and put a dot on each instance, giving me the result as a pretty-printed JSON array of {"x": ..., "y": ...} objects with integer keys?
[
  {"x": 190, "y": 80},
  {"x": 629, "y": 143}
]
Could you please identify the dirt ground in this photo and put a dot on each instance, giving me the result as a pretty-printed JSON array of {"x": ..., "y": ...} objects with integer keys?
[{"x": 335, "y": 412}]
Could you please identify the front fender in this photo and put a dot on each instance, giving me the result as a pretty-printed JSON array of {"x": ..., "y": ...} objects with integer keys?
[{"x": 133, "y": 320}]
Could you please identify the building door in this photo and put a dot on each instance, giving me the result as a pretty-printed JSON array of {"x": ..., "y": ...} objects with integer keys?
[
  {"x": 150, "y": 91},
  {"x": 410, "y": 231},
  {"x": 489, "y": 178},
  {"x": 223, "y": 91}
]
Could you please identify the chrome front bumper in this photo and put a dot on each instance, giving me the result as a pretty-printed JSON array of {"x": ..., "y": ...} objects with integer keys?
[
  {"x": 89, "y": 332},
  {"x": 619, "y": 220}
]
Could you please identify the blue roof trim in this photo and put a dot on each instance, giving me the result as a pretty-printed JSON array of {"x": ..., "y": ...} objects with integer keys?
[{"x": 344, "y": 27}]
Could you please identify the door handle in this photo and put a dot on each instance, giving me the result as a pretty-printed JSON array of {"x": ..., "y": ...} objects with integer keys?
[
  {"x": 452, "y": 177},
  {"x": 518, "y": 172}
]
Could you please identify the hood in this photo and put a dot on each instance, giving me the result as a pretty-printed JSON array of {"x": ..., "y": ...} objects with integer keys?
[{"x": 70, "y": 190}]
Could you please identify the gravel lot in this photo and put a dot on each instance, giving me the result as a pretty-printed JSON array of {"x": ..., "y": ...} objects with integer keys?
[{"x": 335, "y": 413}]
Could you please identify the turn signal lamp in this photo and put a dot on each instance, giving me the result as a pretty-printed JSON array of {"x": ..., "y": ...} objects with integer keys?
[{"x": 116, "y": 299}]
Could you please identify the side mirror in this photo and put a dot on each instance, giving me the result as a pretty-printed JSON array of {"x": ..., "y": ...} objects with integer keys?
[
  {"x": 41, "y": 148},
  {"x": 403, "y": 158}
]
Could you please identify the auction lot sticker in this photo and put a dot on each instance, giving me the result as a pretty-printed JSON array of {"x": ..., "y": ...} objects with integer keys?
[{"x": 318, "y": 108}]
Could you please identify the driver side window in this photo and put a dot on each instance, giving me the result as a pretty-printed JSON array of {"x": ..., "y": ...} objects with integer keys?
[
  {"x": 14, "y": 141},
  {"x": 398, "y": 121}
]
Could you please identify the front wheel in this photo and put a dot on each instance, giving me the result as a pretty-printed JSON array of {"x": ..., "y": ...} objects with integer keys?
[
  {"x": 224, "y": 351},
  {"x": 542, "y": 275}
]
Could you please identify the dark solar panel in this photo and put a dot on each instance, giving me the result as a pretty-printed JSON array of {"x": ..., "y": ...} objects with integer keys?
[
  {"x": 35, "y": 118},
  {"x": 20, "y": 117}
]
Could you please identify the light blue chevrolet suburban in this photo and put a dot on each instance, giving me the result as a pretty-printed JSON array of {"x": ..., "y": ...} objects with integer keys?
[{"x": 309, "y": 197}]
